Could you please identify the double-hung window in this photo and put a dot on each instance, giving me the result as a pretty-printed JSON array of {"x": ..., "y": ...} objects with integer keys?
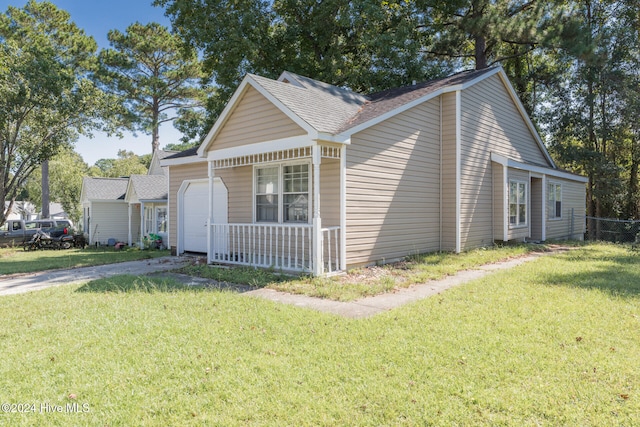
[
  {"x": 554, "y": 201},
  {"x": 282, "y": 193},
  {"x": 517, "y": 203}
]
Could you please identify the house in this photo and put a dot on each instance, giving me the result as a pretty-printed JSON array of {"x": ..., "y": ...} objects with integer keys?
[
  {"x": 297, "y": 174},
  {"x": 20, "y": 210},
  {"x": 126, "y": 209}
]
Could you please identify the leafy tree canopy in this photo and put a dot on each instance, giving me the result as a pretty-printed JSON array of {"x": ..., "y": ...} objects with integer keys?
[
  {"x": 156, "y": 78},
  {"x": 46, "y": 96}
]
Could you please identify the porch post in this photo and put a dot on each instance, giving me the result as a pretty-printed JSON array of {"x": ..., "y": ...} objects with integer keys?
[
  {"x": 343, "y": 208},
  {"x": 130, "y": 238},
  {"x": 141, "y": 225},
  {"x": 318, "y": 264},
  {"x": 210, "y": 247}
]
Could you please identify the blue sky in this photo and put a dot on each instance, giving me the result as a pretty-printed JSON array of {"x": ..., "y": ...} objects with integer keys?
[{"x": 96, "y": 18}]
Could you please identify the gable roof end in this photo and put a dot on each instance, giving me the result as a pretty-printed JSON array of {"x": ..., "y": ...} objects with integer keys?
[{"x": 104, "y": 188}]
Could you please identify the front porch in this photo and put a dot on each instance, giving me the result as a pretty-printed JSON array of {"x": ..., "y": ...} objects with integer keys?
[
  {"x": 277, "y": 246},
  {"x": 271, "y": 215}
]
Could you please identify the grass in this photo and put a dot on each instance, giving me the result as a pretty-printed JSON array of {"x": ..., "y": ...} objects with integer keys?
[
  {"x": 368, "y": 281},
  {"x": 16, "y": 260},
  {"x": 551, "y": 342}
]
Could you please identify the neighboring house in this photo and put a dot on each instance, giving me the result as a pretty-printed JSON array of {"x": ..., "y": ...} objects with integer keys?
[
  {"x": 147, "y": 195},
  {"x": 297, "y": 174},
  {"x": 105, "y": 213},
  {"x": 126, "y": 209},
  {"x": 21, "y": 210}
]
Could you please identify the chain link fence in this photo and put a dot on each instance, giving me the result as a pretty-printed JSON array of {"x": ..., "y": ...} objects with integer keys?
[{"x": 610, "y": 230}]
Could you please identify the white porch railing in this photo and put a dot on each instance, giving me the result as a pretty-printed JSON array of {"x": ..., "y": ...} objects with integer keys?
[{"x": 279, "y": 246}]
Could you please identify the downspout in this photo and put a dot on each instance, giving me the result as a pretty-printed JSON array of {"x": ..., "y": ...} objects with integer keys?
[
  {"x": 441, "y": 174},
  {"x": 343, "y": 208},
  {"x": 544, "y": 208},
  {"x": 141, "y": 225},
  {"x": 130, "y": 235},
  {"x": 458, "y": 171}
]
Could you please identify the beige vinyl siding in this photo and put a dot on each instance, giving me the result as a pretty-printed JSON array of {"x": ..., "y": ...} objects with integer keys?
[
  {"x": 492, "y": 123},
  {"x": 329, "y": 192},
  {"x": 110, "y": 220},
  {"x": 255, "y": 119},
  {"x": 499, "y": 196},
  {"x": 573, "y": 197},
  {"x": 520, "y": 232},
  {"x": 177, "y": 175},
  {"x": 239, "y": 182},
  {"x": 393, "y": 187},
  {"x": 448, "y": 172}
]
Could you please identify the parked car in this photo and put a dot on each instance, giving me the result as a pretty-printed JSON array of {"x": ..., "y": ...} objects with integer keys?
[{"x": 17, "y": 231}]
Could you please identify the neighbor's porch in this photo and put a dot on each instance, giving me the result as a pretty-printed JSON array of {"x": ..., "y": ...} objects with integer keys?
[{"x": 274, "y": 218}]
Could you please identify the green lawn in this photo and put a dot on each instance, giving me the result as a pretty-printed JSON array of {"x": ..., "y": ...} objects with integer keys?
[
  {"x": 552, "y": 342},
  {"x": 16, "y": 260}
]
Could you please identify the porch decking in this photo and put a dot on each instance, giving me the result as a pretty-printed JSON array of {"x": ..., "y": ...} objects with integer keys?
[{"x": 279, "y": 246}]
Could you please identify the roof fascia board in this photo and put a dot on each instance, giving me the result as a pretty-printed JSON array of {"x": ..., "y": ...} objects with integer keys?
[
  {"x": 261, "y": 147},
  {"x": 286, "y": 75},
  {"x": 182, "y": 161},
  {"x": 416, "y": 102},
  {"x": 153, "y": 200},
  {"x": 505, "y": 161}
]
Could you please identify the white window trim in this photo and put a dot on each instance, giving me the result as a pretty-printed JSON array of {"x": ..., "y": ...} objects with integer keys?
[
  {"x": 526, "y": 201},
  {"x": 549, "y": 217},
  {"x": 280, "y": 166}
]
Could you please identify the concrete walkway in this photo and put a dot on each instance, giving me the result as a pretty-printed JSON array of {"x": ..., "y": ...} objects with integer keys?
[
  {"x": 364, "y": 307},
  {"x": 20, "y": 283},
  {"x": 370, "y": 306}
]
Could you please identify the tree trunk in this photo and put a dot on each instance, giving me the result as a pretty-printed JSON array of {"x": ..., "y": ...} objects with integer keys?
[
  {"x": 45, "y": 190},
  {"x": 481, "y": 52},
  {"x": 155, "y": 127}
]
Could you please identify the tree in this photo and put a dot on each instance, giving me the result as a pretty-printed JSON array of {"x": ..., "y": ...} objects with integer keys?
[
  {"x": 366, "y": 46},
  {"x": 153, "y": 74},
  {"x": 66, "y": 170},
  {"x": 46, "y": 96},
  {"x": 127, "y": 163}
]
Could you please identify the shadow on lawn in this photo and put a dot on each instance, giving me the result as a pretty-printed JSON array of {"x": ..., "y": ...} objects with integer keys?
[
  {"x": 616, "y": 274},
  {"x": 160, "y": 282}
]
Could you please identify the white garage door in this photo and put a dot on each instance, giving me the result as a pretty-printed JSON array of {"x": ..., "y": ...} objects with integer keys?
[{"x": 195, "y": 212}]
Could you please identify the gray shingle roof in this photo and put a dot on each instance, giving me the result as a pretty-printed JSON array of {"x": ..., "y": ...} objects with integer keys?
[
  {"x": 383, "y": 102},
  {"x": 105, "y": 188},
  {"x": 149, "y": 187},
  {"x": 332, "y": 109},
  {"x": 323, "y": 106}
]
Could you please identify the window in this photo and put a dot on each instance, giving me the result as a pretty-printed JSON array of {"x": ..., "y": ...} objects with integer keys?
[
  {"x": 148, "y": 221},
  {"x": 282, "y": 193},
  {"x": 554, "y": 201},
  {"x": 517, "y": 203},
  {"x": 161, "y": 219}
]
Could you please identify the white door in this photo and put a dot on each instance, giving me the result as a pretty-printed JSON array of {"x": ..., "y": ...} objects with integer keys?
[
  {"x": 195, "y": 199},
  {"x": 194, "y": 217}
]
